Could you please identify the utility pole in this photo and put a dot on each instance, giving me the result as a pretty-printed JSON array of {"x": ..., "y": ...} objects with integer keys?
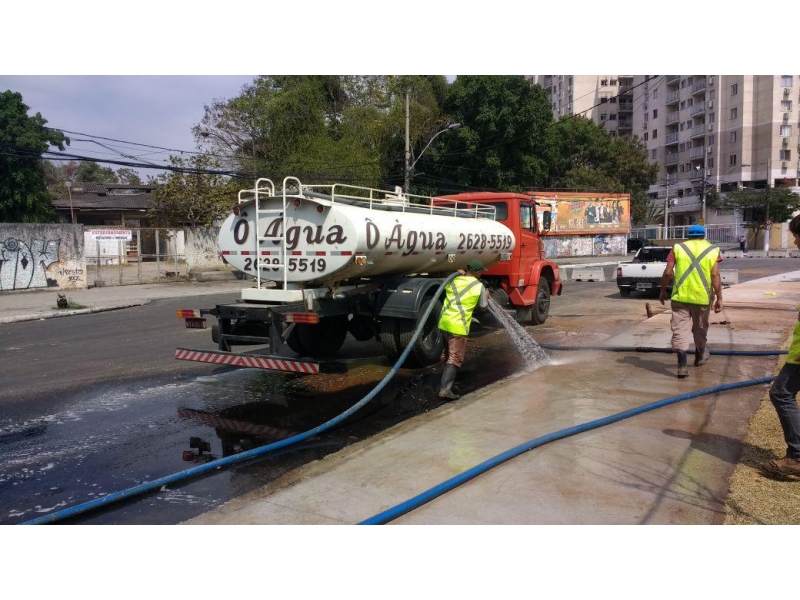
[
  {"x": 768, "y": 223},
  {"x": 406, "y": 181},
  {"x": 666, "y": 212}
]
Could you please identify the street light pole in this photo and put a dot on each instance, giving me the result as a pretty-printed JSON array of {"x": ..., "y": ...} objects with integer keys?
[
  {"x": 410, "y": 169},
  {"x": 407, "y": 179},
  {"x": 767, "y": 224}
]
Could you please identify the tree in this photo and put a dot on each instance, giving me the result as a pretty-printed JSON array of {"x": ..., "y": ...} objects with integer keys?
[
  {"x": 23, "y": 139},
  {"x": 128, "y": 176},
  {"x": 776, "y": 204},
  {"x": 588, "y": 158},
  {"x": 192, "y": 196},
  {"x": 91, "y": 172}
]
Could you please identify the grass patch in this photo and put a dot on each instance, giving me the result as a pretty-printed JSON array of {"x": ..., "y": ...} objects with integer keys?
[{"x": 70, "y": 306}]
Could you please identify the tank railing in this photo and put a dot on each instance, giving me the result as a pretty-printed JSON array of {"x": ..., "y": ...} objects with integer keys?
[
  {"x": 248, "y": 195},
  {"x": 373, "y": 198}
]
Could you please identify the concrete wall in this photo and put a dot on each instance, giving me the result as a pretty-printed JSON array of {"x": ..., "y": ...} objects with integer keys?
[
  {"x": 41, "y": 256},
  {"x": 562, "y": 246},
  {"x": 202, "y": 253}
]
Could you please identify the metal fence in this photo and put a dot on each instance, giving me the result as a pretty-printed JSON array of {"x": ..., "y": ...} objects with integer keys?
[
  {"x": 718, "y": 234},
  {"x": 129, "y": 256}
]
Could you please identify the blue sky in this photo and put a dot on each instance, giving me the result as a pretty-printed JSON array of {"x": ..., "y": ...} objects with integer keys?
[{"x": 157, "y": 110}]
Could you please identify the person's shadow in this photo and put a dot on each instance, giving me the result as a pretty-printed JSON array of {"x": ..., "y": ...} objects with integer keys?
[{"x": 655, "y": 366}]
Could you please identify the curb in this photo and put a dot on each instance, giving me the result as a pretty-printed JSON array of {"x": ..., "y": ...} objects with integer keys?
[{"x": 52, "y": 314}]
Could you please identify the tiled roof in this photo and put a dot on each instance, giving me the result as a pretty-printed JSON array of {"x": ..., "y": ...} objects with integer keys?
[{"x": 102, "y": 196}]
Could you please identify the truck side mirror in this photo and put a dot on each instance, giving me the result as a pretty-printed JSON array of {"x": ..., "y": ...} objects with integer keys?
[{"x": 546, "y": 220}]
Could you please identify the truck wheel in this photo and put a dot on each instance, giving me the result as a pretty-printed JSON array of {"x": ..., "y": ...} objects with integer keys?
[
  {"x": 325, "y": 338},
  {"x": 430, "y": 343},
  {"x": 624, "y": 292},
  {"x": 388, "y": 337},
  {"x": 542, "y": 307}
]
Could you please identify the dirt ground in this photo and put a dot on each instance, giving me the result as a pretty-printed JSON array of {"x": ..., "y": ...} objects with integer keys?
[{"x": 755, "y": 498}]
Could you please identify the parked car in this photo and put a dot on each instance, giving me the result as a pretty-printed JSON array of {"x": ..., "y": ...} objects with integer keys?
[{"x": 643, "y": 273}]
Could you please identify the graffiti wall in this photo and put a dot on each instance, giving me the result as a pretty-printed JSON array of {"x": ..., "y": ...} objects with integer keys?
[
  {"x": 558, "y": 246},
  {"x": 202, "y": 252},
  {"x": 41, "y": 256}
]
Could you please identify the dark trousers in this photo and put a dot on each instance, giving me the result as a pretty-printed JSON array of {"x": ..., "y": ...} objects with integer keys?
[{"x": 783, "y": 395}]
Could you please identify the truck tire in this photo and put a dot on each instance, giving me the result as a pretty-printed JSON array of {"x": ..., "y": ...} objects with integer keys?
[
  {"x": 323, "y": 339},
  {"x": 430, "y": 343},
  {"x": 624, "y": 292},
  {"x": 388, "y": 337},
  {"x": 542, "y": 306}
]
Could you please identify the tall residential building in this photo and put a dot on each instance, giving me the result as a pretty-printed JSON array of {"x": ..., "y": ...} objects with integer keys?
[
  {"x": 595, "y": 97},
  {"x": 704, "y": 131}
]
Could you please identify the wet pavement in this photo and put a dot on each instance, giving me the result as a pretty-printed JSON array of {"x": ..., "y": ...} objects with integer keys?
[{"x": 667, "y": 466}]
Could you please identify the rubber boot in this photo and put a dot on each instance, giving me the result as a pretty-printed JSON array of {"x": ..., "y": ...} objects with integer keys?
[
  {"x": 683, "y": 369},
  {"x": 446, "y": 386},
  {"x": 701, "y": 356}
]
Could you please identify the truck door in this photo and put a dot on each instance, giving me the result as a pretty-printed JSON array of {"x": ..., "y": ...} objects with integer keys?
[{"x": 528, "y": 245}]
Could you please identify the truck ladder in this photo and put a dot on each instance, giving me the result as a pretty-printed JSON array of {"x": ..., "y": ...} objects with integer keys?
[{"x": 269, "y": 191}]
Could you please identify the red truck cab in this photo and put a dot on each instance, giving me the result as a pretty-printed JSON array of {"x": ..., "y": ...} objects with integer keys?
[{"x": 527, "y": 280}]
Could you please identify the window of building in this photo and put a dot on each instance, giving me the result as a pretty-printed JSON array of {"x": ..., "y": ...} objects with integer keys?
[
  {"x": 786, "y": 130},
  {"x": 683, "y": 104},
  {"x": 613, "y": 82},
  {"x": 613, "y": 99},
  {"x": 735, "y": 89},
  {"x": 786, "y": 105},
  {"x": 733, "y": 136},
  {"x": 646, "y": 136},
  {"x": 604, "y": 82},
  {"x": 712, "y": 117},
  {"x": 681, "y": 128},
  {"x": 710, "y": 163},
  {"x": 654, "y": 154},
  {"x": 680, "y": 168},
  {"x": 683, "y": 83},
  {"x": 603, "y": 100},
  {"x": 655, "y": 113},
  {"x": 689, "y": 102},
  {"x": 655, "y": 133},
  {"x": 732, "y": 160},
  {"x": 785, "y": 155},
  {"x": 612, "y": 117},
  {"x": 603, "y": 116},
  {"x": 734, "y": 113},
  {"x": 690, "y": 81},
  {"x": 682, "y": 147},
  {"x": 786, "y": 80},
  {"x": 710, "y": 140}
]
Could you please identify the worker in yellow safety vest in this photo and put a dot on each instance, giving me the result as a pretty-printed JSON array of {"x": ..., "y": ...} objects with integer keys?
[
  {"x": 783, "y": 395},
  {"x": 697, "y": 284},
  {"x": 463, "y": 295}
]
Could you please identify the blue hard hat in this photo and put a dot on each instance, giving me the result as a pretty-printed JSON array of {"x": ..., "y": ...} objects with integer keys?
[{"x": 696, "y": 231}]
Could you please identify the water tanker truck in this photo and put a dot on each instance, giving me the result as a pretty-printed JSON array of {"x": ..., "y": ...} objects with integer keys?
[{"x": 328, "y": 260}]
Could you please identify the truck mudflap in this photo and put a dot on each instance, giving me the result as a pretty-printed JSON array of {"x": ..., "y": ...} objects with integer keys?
[{"x": 251, "y": 361}]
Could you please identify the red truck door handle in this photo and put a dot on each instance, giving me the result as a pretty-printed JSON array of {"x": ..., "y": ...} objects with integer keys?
[{"x": 523, "y": 245}]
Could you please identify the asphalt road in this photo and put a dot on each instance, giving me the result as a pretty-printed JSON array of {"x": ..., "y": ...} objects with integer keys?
[{"x": 94, "y": 404}]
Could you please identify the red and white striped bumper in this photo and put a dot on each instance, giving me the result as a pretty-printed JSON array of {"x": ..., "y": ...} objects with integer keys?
[{"x": 270, "y": 363}]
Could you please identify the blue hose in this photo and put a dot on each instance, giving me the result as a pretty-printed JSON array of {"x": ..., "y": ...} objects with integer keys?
[
  {"x": 237, "y": 458},
  {"x": 434, "y": 492},
  {"x": 667, "y": 350}
]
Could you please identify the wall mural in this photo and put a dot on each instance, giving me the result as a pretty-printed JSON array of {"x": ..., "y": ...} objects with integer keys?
[
  {"x": 585, "y": 245},
  {"x": 23, "y": 266}
]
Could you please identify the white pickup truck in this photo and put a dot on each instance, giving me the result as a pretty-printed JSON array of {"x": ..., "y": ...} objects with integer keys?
[{"x": 643, "y": 273}]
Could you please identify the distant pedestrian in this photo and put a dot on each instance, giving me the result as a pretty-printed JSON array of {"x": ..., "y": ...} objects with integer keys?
[
  {"x": 464, "y": 294},
  {"x": 783, "y": 394},
  {"x": 742, "y": 243},
  {"x": 697, "y": 284}
]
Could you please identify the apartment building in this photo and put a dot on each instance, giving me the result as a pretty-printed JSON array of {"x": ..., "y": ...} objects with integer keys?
[
  {"x": 705, "y": 131},
  {"x": 602, "y": 98}
]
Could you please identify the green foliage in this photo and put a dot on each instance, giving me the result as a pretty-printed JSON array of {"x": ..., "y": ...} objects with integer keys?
[
  {"x": 91, "y": 172},
  {"x": 128, "y": 177},
  {"x": 505, "y": 140},
  {"x": 776, "y": 204},
  {"x": 24, "y": 197},
  {"x": 588, "y": 158},
  {"x": 192, "y": 198}
]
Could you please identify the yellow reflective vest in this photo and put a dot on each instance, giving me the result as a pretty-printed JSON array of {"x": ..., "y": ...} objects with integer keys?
[
  {"x": 462, "y": 295},
  {"x": 694, "y": 260},
  {"x": 793, "y": 356}
]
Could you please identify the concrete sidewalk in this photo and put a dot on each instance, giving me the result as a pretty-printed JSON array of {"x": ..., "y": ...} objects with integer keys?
[{"x": 667, "y": 466}]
